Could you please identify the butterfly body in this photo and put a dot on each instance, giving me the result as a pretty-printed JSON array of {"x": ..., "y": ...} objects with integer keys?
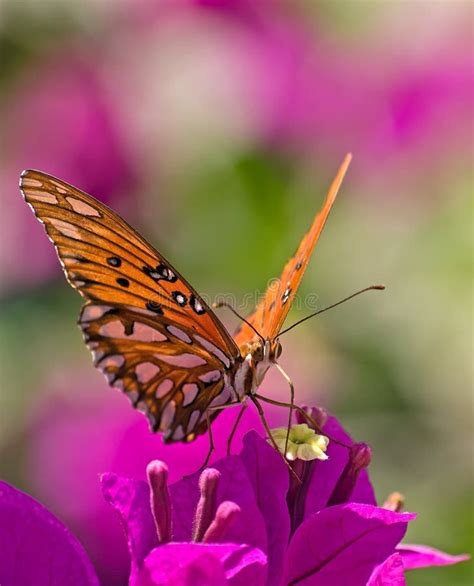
[{"x": 150, "y": 333}]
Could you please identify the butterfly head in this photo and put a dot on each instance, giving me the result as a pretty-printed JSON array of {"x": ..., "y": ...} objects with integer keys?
[{"x": 262, "y": 350}]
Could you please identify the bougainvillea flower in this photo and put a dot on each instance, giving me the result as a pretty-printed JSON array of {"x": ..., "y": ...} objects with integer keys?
[
  {"x": 288, "y": 531},
  {"x": 409, "y": 557},
  {"x": 321, "y": 553},
  {"x": 207, "y": 528},
  {"x": 60, "y": 438},
  {"x": 36, "y": 548},
  {"x": 423, "y": 556}
]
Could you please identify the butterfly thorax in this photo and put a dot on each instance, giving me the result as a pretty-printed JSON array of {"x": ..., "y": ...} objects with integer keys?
[{"x": 257, "y": 358}]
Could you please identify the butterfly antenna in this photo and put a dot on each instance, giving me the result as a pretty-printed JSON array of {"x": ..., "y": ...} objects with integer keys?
[
  {"x": 225, "y": 304},
  {"x": 371, "y": 288}
]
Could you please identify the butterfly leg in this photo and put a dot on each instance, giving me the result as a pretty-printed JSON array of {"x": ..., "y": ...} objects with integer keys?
[
  {"x": 209, "y": 429},
  {"x": 292, "y": 402},
  {"x": 211, "y": 443},
  {"x": 236, "y": 425},
  {"x": 271, "y": 438}
]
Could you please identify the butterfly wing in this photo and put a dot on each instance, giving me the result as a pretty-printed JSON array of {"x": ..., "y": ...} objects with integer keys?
[
  {"x": 140, "y": 310},
  {"x": 170, "y": 373},
  {"x": 272, "y": 310}
]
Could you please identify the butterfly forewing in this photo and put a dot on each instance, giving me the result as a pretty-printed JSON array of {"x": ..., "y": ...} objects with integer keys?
[
  {"x": 151, "y": 333},
  {"x": 272, "y": 310}
]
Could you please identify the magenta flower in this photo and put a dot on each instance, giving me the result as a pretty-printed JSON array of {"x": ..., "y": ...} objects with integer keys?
[
  {"x": 169, "y": 543},
  {"x": 36, "y": 548},
  {"x": 89, "y": 431},
  {"x": 282, "y": 533}
]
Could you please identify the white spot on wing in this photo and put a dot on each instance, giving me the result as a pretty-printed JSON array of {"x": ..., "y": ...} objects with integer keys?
[
  {"x": 167, "y": 415},
  {"x": 179, "y": 334},
  {"x": 164, "y": 388},
  {"x": 210, "y": 377},
  {"x": 190, "y": 391},
  {"x": 42, "y": 196},
  {"x": 141, "y": 332},
  {"x": 91, "y": 312},
  {"x": 29, "y": 181},
  {"x": 112, "y": 329},
  {"x": 144, "y": 333},
  {"x": 65, "y": 228},
  {"x": 194, "y": 420},
  {"x": 81, "y": 207},
  {"x": 185, "y": 360},
  {"x": 178, "y": 433},
  {"x": 116, "y": 360},
  {"x": 213, "y": 350},
  {"x": 145, "y": 371},
  {"x": 222, "y": 398}
]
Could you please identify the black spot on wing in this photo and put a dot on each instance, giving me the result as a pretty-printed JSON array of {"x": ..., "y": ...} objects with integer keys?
[
  {"x": 196, "y": 305},
  {"x": 155, "y": 307},
  {"x": 166, "y": 273},
  {"x": 114, "y": 261},
  {"x": 180, "y": 298},
  {"x": 286, "y": 295},
  {"x": 160, "y": 272}
]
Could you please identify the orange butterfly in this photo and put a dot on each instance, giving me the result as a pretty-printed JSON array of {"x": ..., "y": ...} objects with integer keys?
[{"x": 150, "y": 332}]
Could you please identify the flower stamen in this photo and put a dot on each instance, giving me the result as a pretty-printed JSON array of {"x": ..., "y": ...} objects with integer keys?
[
  {"x": 395, "y": 502},
  {"x": 226, "y": 515},
  {"x": 160, "y": 501},
  {"x": 206, "y": 508}
]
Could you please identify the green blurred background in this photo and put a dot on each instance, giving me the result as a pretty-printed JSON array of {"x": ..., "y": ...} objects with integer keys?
[{"x": 215, "y": 127}]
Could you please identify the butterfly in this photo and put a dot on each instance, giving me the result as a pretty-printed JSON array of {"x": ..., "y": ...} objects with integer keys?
[{"x": 150, "y": 332}]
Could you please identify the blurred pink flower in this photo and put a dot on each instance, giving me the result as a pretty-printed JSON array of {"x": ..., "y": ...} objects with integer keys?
[
  {"x": 73, "y": 439},
  {"x": 304, "y": 93},
  {"x": 57, "y": 118}
]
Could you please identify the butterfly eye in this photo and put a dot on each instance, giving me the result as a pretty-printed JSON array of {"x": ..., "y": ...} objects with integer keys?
[
  {"x": 278, "y": 350},
  {"x": 258, "y": 353}
]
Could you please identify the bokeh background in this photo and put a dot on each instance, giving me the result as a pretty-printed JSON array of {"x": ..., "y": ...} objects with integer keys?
[{"x": 215, "y": 127}]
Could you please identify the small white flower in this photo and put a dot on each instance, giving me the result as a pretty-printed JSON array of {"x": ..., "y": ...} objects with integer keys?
[{"x": 303, "y": 443}]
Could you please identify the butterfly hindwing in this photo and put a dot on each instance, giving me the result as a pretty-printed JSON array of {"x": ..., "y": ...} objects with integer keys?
[
  {"x": 150, "y": 332},
  {"x": 170, "y": 373},
  {"x": 272, "y": 310}
]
